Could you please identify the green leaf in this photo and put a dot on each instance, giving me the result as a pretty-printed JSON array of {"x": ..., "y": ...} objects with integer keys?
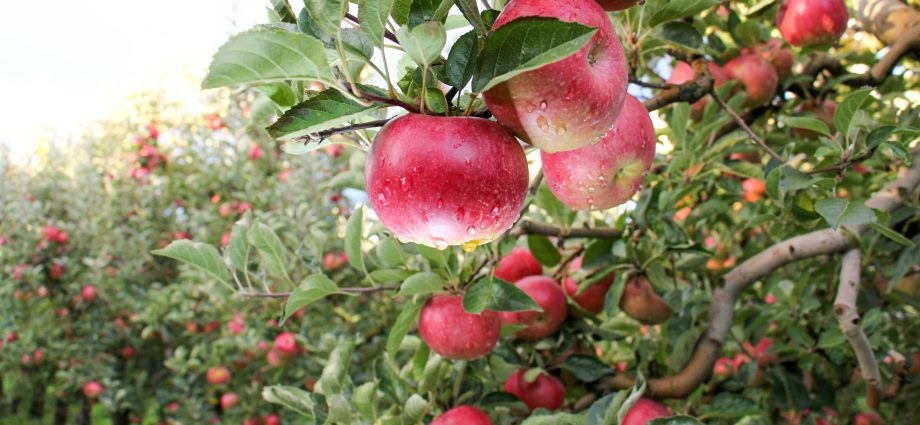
[
  {"x": 841, "y": 212},
  {"x": 199, "y": 255},
  {"x": 586, "y": 368},
  {"x": 406, "y": 319},
  {"x": 598, "y": 254},
  {"x": 238, "y": 249},
  {"x": 339, "y": 410},
  {"x": 470, "y": 11},
  {"x": 421, "y": 283},
  {"x": 365, "y": 400},
  {"x": 390, "y": 382},
  {"x": 634, "y": 395},
  {"x": 891, "y": 234},
  {"x": 424, "y": 42},
  {"x": 497, "y": 295},
  {"x": 461, "y": 61},
  {"x": 526, "y": 44},
  {"x": 612, "y": 299},
  {"x": 554, "y": 419},
  {"x": 807, "y": 123},
  {"x": 544, "y": 250},
  {"x": 477, "y": 296},
  {"x": 681, "y": 33},
  {"x": 293, "y": 398},
  {"x": 281, "y": 93},
  {"x": 326, "y": 110},
  {"x": 843, "y": 117},
  {"x": 353, "y": 234},
  {"x": 677, "y": 9},
  {"x": 390, "y": 252},
  {"x": 312, "y": 289},
  {"x": 390, "y": 275},
  {"x": 327, "y": 14},
  {"x": 415, "y": 409},
  {"x": 284, "y": 11},
  {"x": 271, "y": 250},
  {"x": 268, "y": 55},
  {"x": 335, "y": 373},
  {"x": 831, "y": 338},
  {"x": 879, "y": 135},
  {"x": 676, "y": 420},
  {"x": 421, "y": 11},
  {"x": 792, "y": 179},
  {"x": 373, "y": 15}
]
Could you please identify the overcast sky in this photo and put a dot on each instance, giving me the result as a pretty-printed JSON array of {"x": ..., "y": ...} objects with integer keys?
[{"x": 65, "y": 63}]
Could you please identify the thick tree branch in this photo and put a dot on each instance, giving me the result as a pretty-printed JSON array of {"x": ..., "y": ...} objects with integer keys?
[
  {"x": 368, "y": 290},
  {"x": 691, "y": 91},
  {"x": 527, "y": 227},
  {"x": 848, "y": 319},
  {"x": 821, "y": 242}
]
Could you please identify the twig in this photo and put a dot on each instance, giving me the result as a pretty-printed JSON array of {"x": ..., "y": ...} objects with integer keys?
[
  {"x": 333, "y": 131},
  {"x": 848, "y": 319},
  {"x": 638, "y": 82},
  {"x": 741, "y": 123},
  {"x": 560, "y": 270},
  {"x": 844, "y": 164},
  {"x": 386, "y": 33},
  {"x": 368, "y": 290},
  {"x": 527, "y": 227},
  {"x": 387, "y": 100},
  {"x": 690, "y": 92}
]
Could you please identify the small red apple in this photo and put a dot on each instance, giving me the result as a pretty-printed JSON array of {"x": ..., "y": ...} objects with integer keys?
[
  {"x": 644, "y": 411},
  {"x": 608, "y": 173},
  {"x": 868, "y": 418},
  {"x": 272, "y": 419},
  {"x": 441, "y": 181},
  {"x": 723, "y": 367},
  {"x": 812, "y": 22},
  {"x": 237, "y": 324},
  {"x": 640, "y": 302},
  {"x": 592, "y": 298},
  {"x": 547, "y": 293},
  {"x": 455, "y": 334},
  {"x": 276, "y": 359},
  {"x": 92, "y": 389},
  {"x": 225, "y": 238},
  {"x": 683, "y": 72},
  {"x": 773, "y": 51},
  {"x": 545, "y": 391},
  {"x": 334, "y": 150},
  {"x": 256, "y": 152},
  {"x": 333, "y": 261},
  {"x": 569, "y": 103},
  {"x": 757, "y": 75},
  {"x": 218, "y": 375},
  {"x": 761, "y": 351},
  {"x": 56, "y": 271},
  {"x": 286, "y": 344},
  {"x": 229, "y": 400},
  {"x": 128, "y": 352},
  {"x": 463, "y": 415},
  {"x": 753, "y": 189},
  {"x": 519, "y": 264},
  {"x": 89, "y": 293}
]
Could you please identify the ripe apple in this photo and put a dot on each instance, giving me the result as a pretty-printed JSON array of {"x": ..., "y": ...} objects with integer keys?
[
  {"x": 89, "y": 293},
  {"x": 824, "y": 111},
  {"x": 547, "y": 293},
  {"x": 228, "y": 400},
  {"x": 256, "y": 152},
  {"x": 441, "y": 181},
  {"x": 333, "y": 261},
  {"x": 592, "y": 298},
  {"x": 128, "y": 352},
  {"x": 640, "y": 302},
  {"x": 761, "y": 351},
  {"x": 569, "y": 103},
  {"x": 272, "y": 419},
  {"x": 868, "y": 418},
  {"x": 644, "y": 411},
  {"x": 519, "y": 264},
  {"x": 276, "y": 359},
  {"x": 56, "y": 271},
  {"x": 286, "y": 344},
  {"x": 12, "y": 337},
  {"x": 683, "y": 72},
  {"x": 545, "y": 391},
  {"x": 753, "y": 189},
  {"x": 607, "y": 173},
  {"x": 218, "y": 375},
  {"x": 455, "y": 334},
  {"x": 812, "y": 22},
  {"x": 92, "y": 389},
  {"x": 614, "y": 5},
  {"x": 757, "y": 75},
  {"x": 723, "y": 367},
  {"x": 773, "y": 51},
  {"x": 463, "y": 415}
]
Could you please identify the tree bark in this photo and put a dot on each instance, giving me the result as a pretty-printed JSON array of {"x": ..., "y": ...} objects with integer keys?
[
  {"x": 37, "y": 405},
  {"x": 85, "y": 416},
  {"x": 122, "y": 417},
  {"x": 887, "y": 20},
  {"x": 61, "y": 411}
]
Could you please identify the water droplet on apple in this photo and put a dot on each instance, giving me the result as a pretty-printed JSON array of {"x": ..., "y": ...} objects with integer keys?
[
  {"x": 405, "y": 183},
  {"x": 469, "y": 246},
  {"x": 425, "y": 217},
  {"x": 440, "y": 203},
  {"x": 531, "y": 107},
  {"x": 382, "y": 198},
  {"x": 471, "y": 230},
  {"x": 543, "y": 123},
  {"x": 460, "y": 214},
  {"x": 543, "y": 106},
  {"x": 440, "y": 244},
  {"x": 560, "y": 130}
]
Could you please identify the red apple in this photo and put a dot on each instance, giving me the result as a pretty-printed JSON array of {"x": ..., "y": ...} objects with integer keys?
[
  {"x": 824, "y": 111},
  {"x": 753, "y": 189},
  {"x": 463, "y": 415},
  {"x": 614, "y": 5},
  {"x": 868, "y": 418},
  {"x": 519, "y": 264},
  {"x": 286, "y": 344},
  {"x": 723, "y": 368},
  {"x": 128, "y": 352},
  {"x": 228, "y": 400},
  {"x": 569, "y": 103},
  {"x": 237, "y": 324},
  {"x": 455, "y": 334},
  {"x": 683, "y": 72},
  {"x": 256, "y": 152},
  {"x": 333, "y": 261},
  {"x": 644, "y": 411},
  {"x": 441, "y": 181},
  {"x": 761, "y": 351},
  {"x": 218, "y": 375},
  {"x": 545, "y": 391},
  {"x": 88, "y": 292},
  {"x": 914, "y": 370},
  {"x": 272, "y": 419},
  {"x": 773, "y": 51},
  {"x": 56, "y": 271},
  {"x": 92, "y": 389},
  {"x": 757, "y": 75},
  {"x": 547, "y": 293},
  {"x": 334, "y": 150},
  {"x": 592, "y": 298},
  {"x": 812, "y": 22},
  {"x": 640, "y": 302},
  {"x": 276, "y": 359},
  {"x": 608, "y": 173}
]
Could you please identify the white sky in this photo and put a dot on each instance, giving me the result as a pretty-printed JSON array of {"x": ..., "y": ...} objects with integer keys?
[{"x": 65, "y": 63}]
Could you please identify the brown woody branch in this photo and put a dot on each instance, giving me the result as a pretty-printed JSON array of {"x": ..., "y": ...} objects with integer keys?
[
  {"x": 322, "y": 135},
  {"x": 822, "y": 242},
  {"x": 368, "y": 290},
  {"x": 747, "y": 129},
  {"x": 527, "y": 227},
  {"x": 848, "y": 319},
  {"x": 386, "y": 33},
  {"x": 690, "y": 91}
]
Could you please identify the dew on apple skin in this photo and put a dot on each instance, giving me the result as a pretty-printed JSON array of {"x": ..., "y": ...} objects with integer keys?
[
  {"x": 440, "y": 203},
  {"x": 531, "y": 107},
  {"x": 405, "y": 183},
  {"x": 471, "y": 230},
  {"x": 440, "y": 244},
  {"x": 382, "y": 198},
  {"x": 460, "y": 214},
  {"x": 543, "y": 123},
  {"x": 543, "y": 106}
]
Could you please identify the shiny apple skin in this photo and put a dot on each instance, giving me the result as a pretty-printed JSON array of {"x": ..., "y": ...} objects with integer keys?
[
  {"x": 683, "y": 73},
  {"x": 546, "y": 391},
  {"x": 569, "y": 103},
  {"x": 757, "y": 75},
  {"x": 455, "y": 334},
  {"x": 441, "y": 181},
  {"x": 592, "y": 298},
  {"x": 812, "y": 22},
  {"x": 517, "y": 265},
  {"x": 547, "y": 293},
  {"x": 608, "y": 173},
  {"x": 644, "y": 411},
  {"x": 463, "y": 415}
]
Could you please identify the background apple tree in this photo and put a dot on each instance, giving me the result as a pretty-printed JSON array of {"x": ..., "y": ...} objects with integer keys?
[{"x": 540, "y": 212}]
